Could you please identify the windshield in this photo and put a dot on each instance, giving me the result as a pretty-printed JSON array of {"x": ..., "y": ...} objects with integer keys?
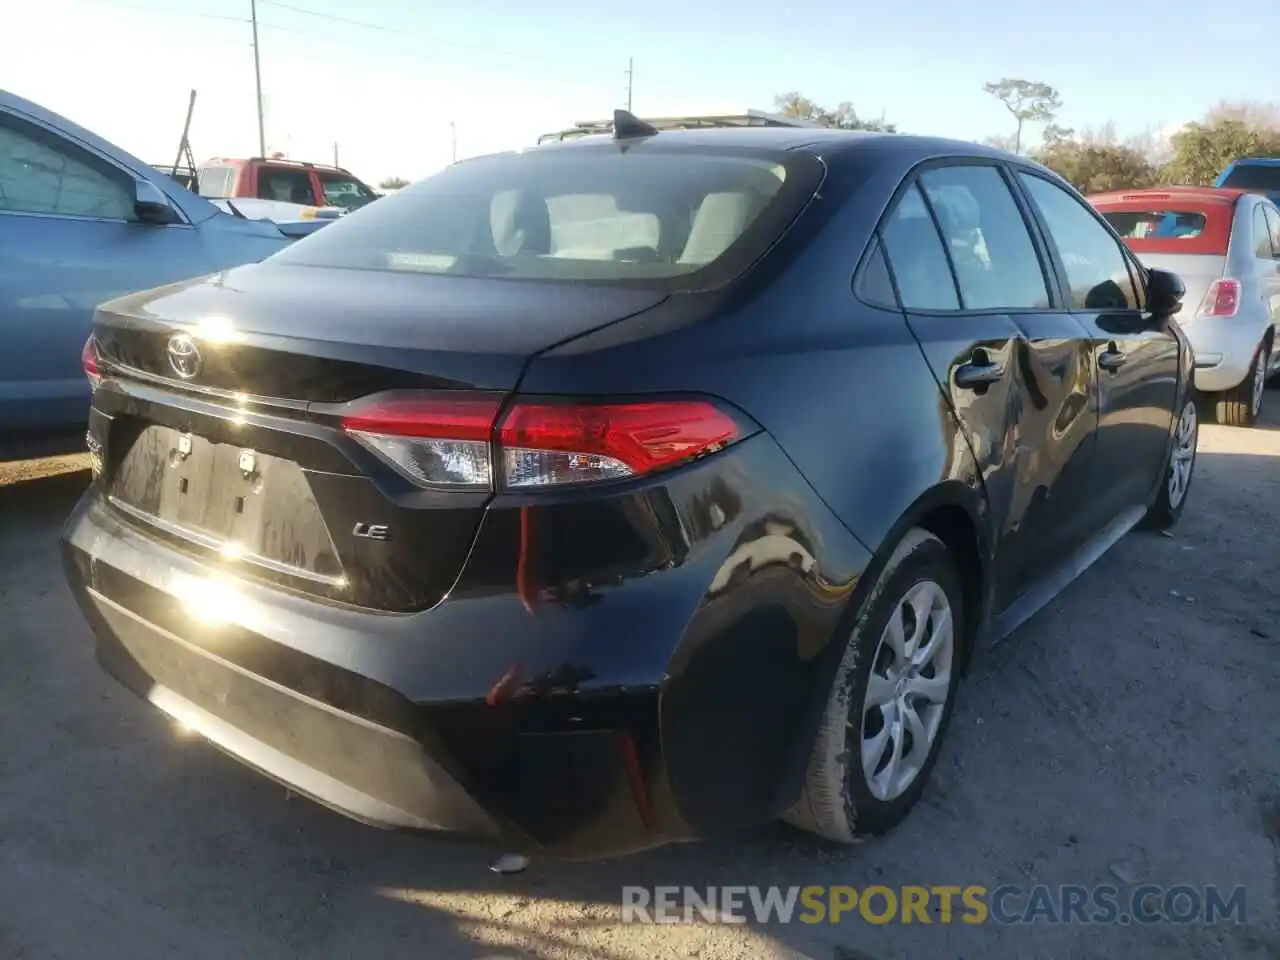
[
  {"x": 345, "y": 192},
  {"x": 575, "y": 214},
  {"x": 1254, "y": 176}
]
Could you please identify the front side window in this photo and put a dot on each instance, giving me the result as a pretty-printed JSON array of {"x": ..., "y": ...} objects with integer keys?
[
  {"x": 38, "y": 174},
  {"x": 1097, "y": 271},
  {"x": 345, "y": 192},
  {"x": 995, "y": 261},
  {"x": 917, "y": 257},
  {"x": 575, "y": 214}
]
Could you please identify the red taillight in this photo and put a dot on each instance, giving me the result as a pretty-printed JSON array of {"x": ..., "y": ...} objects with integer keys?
[
  {"x": 1222, "y": 299},
  {"x": 457, "y": 442},
  {"x": 90, "y": 361},
  {"x": 546, "y": 444}
]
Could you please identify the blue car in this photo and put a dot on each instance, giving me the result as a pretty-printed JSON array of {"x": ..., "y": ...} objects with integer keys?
[
  {"x": 1255, "y": 174},
  {"x": 81, "y": 222}
]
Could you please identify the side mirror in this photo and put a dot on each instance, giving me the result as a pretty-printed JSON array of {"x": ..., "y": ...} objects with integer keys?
[
  {"x": 1165, "y": 291},
  {"x": 152, "y": 205}
]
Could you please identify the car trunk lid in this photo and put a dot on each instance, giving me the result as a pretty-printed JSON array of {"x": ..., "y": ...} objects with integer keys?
[
  {"x": 218, "y": 421},
  {"x": 1198, "y": 272}
]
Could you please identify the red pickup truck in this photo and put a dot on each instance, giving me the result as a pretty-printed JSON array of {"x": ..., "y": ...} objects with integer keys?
[{"x": 289, "y": 181}]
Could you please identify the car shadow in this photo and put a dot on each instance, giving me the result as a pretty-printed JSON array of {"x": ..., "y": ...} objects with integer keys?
[{"x": 1103, "y": 743}]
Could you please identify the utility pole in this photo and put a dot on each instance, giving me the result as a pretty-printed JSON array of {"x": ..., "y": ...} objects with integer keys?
[
  {"x": 630, "y": 78},
  {"x": 453, "y": 137},
  {"x": 257, "y": 76},
  {"x": 335, "y": 155}
]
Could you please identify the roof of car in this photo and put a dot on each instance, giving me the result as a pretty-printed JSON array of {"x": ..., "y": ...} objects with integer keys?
[
  {"x": 822, "y": 141},
  {"x": 1186, "y": 194}
]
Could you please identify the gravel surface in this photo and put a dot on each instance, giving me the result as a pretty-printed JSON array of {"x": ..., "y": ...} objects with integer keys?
[{"x": 1127, "y": 734}]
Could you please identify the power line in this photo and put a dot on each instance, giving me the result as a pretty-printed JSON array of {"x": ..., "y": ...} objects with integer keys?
[
  {"x": 128, "y": 4},
  {"x": 396, "y": 31}
]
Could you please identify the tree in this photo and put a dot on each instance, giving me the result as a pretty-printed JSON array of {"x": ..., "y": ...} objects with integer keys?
[
  {"x": 843, "y": 117},
  {"x": 1028, "y": 100},
  {"x": 1093, "y": 168},
  {"x": 1202, "y": 150},
  {"x": 393, "y": 183},
  {"x": 1260, "y": 116}
]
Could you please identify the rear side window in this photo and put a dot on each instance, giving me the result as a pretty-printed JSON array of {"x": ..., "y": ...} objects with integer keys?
[
  {"x": 874, "y": 285},
  {"x": 1096, "y": 267},
  {"x": 577, "y": 214},
  {"x": 995, "y": 261},
  {"x": 288, "y": 186},
  {"x": 917, "y": 257},
  {"x": 1261, "y": 235},
  {"x": 216, "y": 181}
]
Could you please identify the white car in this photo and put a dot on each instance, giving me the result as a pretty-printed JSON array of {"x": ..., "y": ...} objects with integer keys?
[{"x": 1225, "y": 245}]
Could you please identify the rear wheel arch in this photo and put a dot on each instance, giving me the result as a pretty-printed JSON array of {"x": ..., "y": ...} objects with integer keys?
[{"x": 955, "y": 513}]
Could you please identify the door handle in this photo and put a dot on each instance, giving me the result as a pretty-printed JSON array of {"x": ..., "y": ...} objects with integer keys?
[
  {"x": 979, "y": 371},
  {"x": 1111, "y": 359}
]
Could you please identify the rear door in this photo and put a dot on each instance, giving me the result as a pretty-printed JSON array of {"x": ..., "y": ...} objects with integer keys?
[
  {"x": 1134, "y": 355},
  {"x": 1013, "y": 364}
]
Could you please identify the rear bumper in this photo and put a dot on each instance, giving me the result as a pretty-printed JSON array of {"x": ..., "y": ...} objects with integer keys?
[
  {"x": 350, "y": 742},
  {"x": 1224, "y": 350},
  {"x": 585, "y": 702}
]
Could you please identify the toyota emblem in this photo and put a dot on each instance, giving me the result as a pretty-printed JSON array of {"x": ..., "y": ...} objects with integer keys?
[{"x": 184, "y": 356}]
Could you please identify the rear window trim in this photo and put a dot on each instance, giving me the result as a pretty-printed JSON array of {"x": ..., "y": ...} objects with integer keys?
[{"x": 806, "y": 173}]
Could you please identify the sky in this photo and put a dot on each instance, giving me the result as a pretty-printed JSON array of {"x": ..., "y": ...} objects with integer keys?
[{"x": 395, "y": 84}]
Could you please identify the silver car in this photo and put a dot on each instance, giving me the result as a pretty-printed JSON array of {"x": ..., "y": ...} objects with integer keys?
[{"x": 1225, "y": 244}]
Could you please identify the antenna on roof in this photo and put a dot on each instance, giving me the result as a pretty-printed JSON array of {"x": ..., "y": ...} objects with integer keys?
[{"x": 626, "y": 124}]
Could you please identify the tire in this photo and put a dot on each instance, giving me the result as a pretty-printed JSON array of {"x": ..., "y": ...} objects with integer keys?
[
  {"x": 840, "y": 802},
  {"x": 1240, "y": 406},
  {"x": 1175, "y": 480}
]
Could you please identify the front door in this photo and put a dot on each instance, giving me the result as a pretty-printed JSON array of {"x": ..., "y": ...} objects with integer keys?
[
  {"x": 1014, "y": 366},
  {"x": 1134, "y": 354},
  {"x": 70, "y": 239}
]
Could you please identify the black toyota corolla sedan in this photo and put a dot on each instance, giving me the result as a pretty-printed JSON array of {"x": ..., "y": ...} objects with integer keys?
[{"x": 626, "y": 490}]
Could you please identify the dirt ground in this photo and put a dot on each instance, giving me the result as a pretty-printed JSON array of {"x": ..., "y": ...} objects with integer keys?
[{"x": 1127, "y": 734}]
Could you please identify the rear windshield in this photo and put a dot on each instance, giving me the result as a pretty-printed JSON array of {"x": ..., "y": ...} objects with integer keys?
[
  {"x": 1254, "y": 176},
  {"x": 1139, "y": 224},
  {"x": 582, "y": 213},
  {"x": 1161, "y": 226}
]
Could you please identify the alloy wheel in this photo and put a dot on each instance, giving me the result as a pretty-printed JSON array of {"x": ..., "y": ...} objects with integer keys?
[
  {"x": 907, "y": 690},
  {"x": 1183, "y": 459},
  {"x": 1259, "y": 380}
]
